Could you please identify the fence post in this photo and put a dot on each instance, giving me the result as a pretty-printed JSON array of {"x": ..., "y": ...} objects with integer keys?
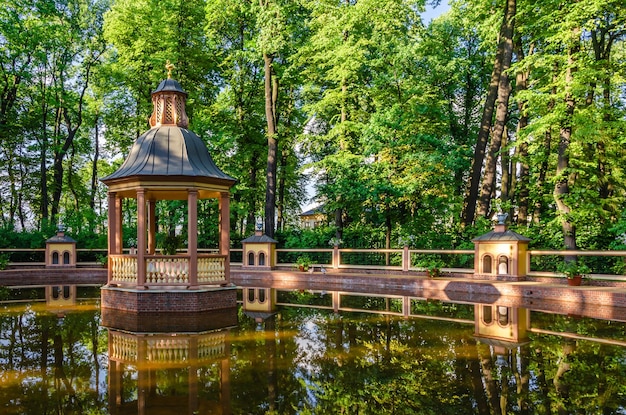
[
  {"x": 406, "y": 258},
  {"x": 336, "y": 256}
]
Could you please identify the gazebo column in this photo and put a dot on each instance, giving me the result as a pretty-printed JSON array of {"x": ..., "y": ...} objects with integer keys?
[
  {"x": 119, "y": 234},
  {"x": 141, "y": 237},
  {"x": 112, "y": 236},
  {"x": 151, "y": 227},
  {"x": 192, "y": 236},
  {"x": 224, "y": 205}
]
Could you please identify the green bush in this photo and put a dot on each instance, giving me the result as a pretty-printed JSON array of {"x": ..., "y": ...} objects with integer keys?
[{"x": 4, "y": 261}]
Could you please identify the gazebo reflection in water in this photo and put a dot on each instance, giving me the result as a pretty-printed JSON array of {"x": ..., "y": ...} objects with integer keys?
[{"x": 156, "y": 363}]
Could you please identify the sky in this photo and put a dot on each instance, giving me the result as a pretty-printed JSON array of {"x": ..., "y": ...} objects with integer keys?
[{"x": 432, "y": 12}]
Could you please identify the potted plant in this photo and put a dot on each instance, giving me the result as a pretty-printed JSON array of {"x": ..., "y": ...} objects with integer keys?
[
  {"x": 574, "y": 271},
  {"x": 433, "y": 268},
  {"x": 303, "y": 262}
]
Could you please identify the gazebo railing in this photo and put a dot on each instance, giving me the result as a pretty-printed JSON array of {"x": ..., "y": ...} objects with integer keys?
[
  {"x": 167, "y": 350},
  {"x": 168, "y": 270}
]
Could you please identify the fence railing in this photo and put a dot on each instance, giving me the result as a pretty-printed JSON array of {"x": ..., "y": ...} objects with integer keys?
[{"x": 603, "y": 264}]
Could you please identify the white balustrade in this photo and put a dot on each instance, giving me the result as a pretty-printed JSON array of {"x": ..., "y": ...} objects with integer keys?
[
  {"x": 162, "y": 270},
  {"x": 124, "y": 269},
  {"x": 211, "y": 270},
  {"x": 170, "y": 270}
]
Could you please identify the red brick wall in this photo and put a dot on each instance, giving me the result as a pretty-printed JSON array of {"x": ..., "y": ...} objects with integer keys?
[{"x": 180, "y": 301}]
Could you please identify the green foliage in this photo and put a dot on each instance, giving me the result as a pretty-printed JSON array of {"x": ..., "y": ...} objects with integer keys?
[
  {"x": 306, "y": 238},
  {"x": 35, "y": 239},
  {"x": 376, "y": 110},
  {"x": 4, "y": 261},
  {"x": 171, "y": 244},
  {"x": 102, "y": 260},
  {"x": 432, "y": 265}
]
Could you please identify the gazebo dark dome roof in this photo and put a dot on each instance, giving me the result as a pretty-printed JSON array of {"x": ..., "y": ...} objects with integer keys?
[
  {"x": 169, "y": 85},
  {"x": 169, "y": 151}
]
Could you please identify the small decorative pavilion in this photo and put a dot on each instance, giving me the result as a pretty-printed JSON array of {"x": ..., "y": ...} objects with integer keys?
[
  {"x": 501, "y": 254},
  {"x": 259, "y": 250},
  {"x": 168, "y": 162},
  {"x": 61, "y": 250}
]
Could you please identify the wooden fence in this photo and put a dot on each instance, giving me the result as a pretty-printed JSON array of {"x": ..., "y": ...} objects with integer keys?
[{"x": 609, "y": 265}]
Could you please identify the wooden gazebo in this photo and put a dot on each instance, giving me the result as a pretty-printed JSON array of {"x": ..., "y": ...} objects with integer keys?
[{"x": 168, "y": 162}]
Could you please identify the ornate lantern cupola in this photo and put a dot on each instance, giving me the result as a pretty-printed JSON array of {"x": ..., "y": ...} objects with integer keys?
[{"x": 168, "y": 101}]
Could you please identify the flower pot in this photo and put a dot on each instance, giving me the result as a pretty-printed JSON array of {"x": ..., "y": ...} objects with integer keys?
[
  {"x": 433, "y": 273},
  {"x": 575, "y": 280}
]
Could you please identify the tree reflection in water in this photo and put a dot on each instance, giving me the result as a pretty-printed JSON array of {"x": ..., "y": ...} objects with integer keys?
[{"x": 317, "y": 361}]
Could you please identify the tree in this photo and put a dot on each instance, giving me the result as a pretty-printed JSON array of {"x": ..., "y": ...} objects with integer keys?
[{"x": 502, "y": 63}]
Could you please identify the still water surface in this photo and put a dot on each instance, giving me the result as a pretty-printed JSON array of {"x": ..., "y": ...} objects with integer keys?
[{"x": 443, "y": 359}]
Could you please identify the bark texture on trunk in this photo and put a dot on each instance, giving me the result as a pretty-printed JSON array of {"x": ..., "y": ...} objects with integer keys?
[{"x": 500, "y": 65}]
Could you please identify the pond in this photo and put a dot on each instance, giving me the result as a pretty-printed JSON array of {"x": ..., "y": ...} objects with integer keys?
[{"x": 308, "y": 354}]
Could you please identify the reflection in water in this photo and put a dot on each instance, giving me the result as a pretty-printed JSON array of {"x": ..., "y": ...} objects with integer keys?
[
  {"x": 278, "y": 353},
  {"x": 160, "y": 373}
]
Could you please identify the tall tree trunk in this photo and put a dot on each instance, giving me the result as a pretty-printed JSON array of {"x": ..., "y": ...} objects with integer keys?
[
  {"x": 282, "y": 189},
  {"x": 522, "y": 190},
  {"x": 43, "y": 150},
  {"x": 503, "y": 94},
  {"x": 471, "y": 196},
  {"x": 602, "y": 41},
  {"x": 252, "y": 197},
  {"x": 71, "y": 180},
  {"x": 342, "y": 145},
  {"x": 94, "y": 165},
  {"x": 506, "y": 182},
  {"x": 72, "y": 124},
  {"x": 271, "y": 92},
  {"x": 563, "y": 177},
  {"x": 284, "y": 167},
  {"x": 57, "y": 166}
]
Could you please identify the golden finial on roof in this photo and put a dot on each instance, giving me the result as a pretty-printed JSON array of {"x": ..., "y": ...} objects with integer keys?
[{"x": 169, "y": 66}]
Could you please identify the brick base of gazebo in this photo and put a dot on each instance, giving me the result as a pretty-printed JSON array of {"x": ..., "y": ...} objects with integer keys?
[{"x": 171, "y": 301}]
